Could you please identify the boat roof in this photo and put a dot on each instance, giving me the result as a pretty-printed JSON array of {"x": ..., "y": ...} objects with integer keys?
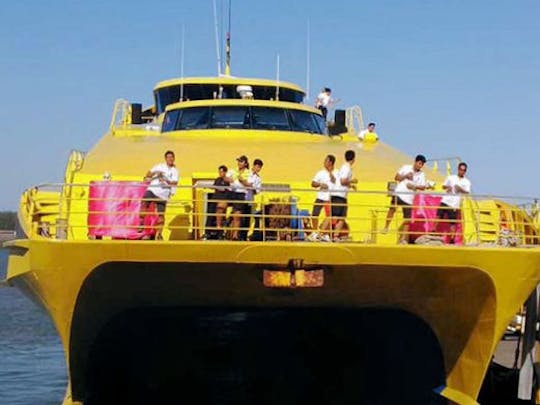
[
  {"x": 227, "y": 80},
  {"x": 241, "y": 102}
]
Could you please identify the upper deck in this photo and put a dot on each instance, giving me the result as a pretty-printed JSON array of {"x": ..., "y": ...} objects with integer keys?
[{"x": 223, "y": 87}]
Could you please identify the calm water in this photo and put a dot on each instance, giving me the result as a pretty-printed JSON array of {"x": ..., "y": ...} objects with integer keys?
[{"x": 32, "y": 366}]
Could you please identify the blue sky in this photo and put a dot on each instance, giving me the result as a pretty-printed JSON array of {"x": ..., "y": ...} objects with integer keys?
[{"x": 445, "y": 78}]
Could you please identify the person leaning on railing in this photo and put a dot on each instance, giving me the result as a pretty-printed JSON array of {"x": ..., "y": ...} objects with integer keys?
[
  {"x": 163, "y": 178},
  {"x": 451, "y": 202},
  {"x": 238, "y": 193},
  {"x": 410, "y": 178}
]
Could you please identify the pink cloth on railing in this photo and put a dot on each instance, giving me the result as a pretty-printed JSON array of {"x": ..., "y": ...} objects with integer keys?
[
  {"x": 114, "y": 209},
  {"x": 424, "y": 219}
]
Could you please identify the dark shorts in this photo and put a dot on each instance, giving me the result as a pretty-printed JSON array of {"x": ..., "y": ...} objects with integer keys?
[
  {"x": 238, "y": 201},
  {"x": 339, "y": 207},
  {"x": 447, "y": 211},
  {"x": 318, "y": 205},
  {"x": 150, "y": 197},
  {"x": 407, "y": 210}
]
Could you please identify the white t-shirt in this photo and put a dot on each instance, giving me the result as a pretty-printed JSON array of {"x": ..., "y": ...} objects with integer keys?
[
  {"x": 365, "y": 134},
  {"x": 323, "y": 99},
  {"x": 345, "y": 173},
  {"x": 159, "y": 187},
  {"x": 236, "y": 186},
  {"x": 402, "y": 191},
  {"x": 323, "y": 177},
  {"x": 453, "y": 199},
  {"x": 256, "y": 184}
]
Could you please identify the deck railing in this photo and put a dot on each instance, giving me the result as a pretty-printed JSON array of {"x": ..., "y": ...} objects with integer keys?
[{"x": 275, "y": 214}]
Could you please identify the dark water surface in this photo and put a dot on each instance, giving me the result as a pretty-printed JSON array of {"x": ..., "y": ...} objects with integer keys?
[{"x": 32, "y": 365}]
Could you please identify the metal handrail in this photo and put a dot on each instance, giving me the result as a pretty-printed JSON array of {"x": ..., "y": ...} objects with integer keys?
[{"x": 365, "y": 218}]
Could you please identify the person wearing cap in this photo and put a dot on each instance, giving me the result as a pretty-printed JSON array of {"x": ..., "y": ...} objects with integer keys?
[
  {"x": 254, "y": 186},
  {"x": 237, "y": 179},
  {"x": 410, "y": 178},
  {"x": 368, "y": 134}
]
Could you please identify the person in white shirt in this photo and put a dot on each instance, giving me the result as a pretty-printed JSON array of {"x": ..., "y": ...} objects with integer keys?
[
  {"x": 163, "y": 178},
  {"x": 451, "y": 202},
  {"x": 410, "y": 178},
  {"x": 324, "y": 180},
  {"x": 322, "y": 102},
  {"x": 238, "y": 179},
  {"x": 368, "y": 134},
  {"x": 254, "y": 185},
  {"x": 338, "y": 197}
]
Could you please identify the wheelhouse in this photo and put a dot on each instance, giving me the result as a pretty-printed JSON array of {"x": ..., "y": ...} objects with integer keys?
[{"x": 192, "y": 89}]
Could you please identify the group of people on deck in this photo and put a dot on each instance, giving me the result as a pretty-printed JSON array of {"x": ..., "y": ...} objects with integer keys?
[{"x": 236, "y": 189}]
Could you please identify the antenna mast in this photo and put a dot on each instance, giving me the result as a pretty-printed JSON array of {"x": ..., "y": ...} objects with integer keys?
[
  {"x": 218, "y": 54},
  {"x": 277, "y": 78},
  {"x": 228, "y": 46},
  {"x": 308, "y": 58},
  {"x": 182, "y": 64}
]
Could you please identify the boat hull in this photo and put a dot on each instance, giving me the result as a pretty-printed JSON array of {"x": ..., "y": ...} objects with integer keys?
[{"x": 381, "y": 306}]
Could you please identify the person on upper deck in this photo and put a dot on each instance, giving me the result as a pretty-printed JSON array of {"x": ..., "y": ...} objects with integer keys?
[
  {"x": 368, "y": 134},
  {"x": 451, "y": 202},
  {"x": 324, "y": 180},
  {"x": 254, "y": 185},
  {"x": 323, "y": 100},
  {"x": 338, "y": 198},
  {"x": 237, "y": 179},
  {"x": 163, "y": 179},
  {"x": 410, "y": 178},
  {"x": 217, "y": 204}
]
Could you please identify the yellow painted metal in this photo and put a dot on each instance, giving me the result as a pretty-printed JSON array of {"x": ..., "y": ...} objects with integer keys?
[{"x": 467, "y": 295}]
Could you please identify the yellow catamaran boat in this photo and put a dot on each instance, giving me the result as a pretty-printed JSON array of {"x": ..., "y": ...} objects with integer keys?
[{"x": 277, "y": 320}]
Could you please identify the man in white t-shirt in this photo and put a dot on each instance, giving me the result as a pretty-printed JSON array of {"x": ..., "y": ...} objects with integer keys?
[
  {"x": 368, "y": 134},
  {"x": 163, "y": 178},
  {"x": 254, "y": 185},
  {"x": 451, "y": 202},
  {"x": 410, "y": 178},
  {"x": 338, "y": 197},
  {"x": 324, "y": 180},
  {"x": 322, "y": 102}
]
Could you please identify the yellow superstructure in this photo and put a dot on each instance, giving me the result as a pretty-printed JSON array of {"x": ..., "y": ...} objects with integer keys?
[{"x": 146, "y": 314}]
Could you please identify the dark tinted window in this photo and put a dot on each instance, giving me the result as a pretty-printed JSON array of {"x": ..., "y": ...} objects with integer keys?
[
  {"x": 303, "y": 121},
  {"x": 243, "y": 117},
  {"x": 170, "y": 120},
  {"x": 193, "y": 118},
  {"x": 321, "y": 123},
  {"x": 230, "y": 117},
  {"x": 270, "y": 118},
  {"x": 192, "y": 92}
]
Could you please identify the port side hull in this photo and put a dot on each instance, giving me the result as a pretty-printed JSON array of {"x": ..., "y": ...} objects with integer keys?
[{"x": 458, "y": 300}]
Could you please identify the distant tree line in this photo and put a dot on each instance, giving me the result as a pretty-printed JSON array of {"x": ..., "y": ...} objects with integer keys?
[{"x": 8, "y": 220}]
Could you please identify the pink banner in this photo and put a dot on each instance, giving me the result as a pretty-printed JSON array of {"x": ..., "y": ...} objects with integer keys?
[
  {"x": 114, "y": 209},
  {"x": 424, "y": 219}
]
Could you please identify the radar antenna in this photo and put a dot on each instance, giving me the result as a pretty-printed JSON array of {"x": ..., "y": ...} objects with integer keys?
[
  {"x": 218, "y": 53},
  {"x": 228, "y": 46}
]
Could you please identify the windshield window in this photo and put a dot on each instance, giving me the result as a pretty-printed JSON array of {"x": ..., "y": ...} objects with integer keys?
[
  {"x": 244, "y": 117},
  {"x": 303, "y": 121},
  {"x": 230, "y": 117},
  {"x": 169, "y": 122},
  {"x": 270, "y": 118},
  {"x": 193, "y": 118},
  {"x": 321, "y": 123}
]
